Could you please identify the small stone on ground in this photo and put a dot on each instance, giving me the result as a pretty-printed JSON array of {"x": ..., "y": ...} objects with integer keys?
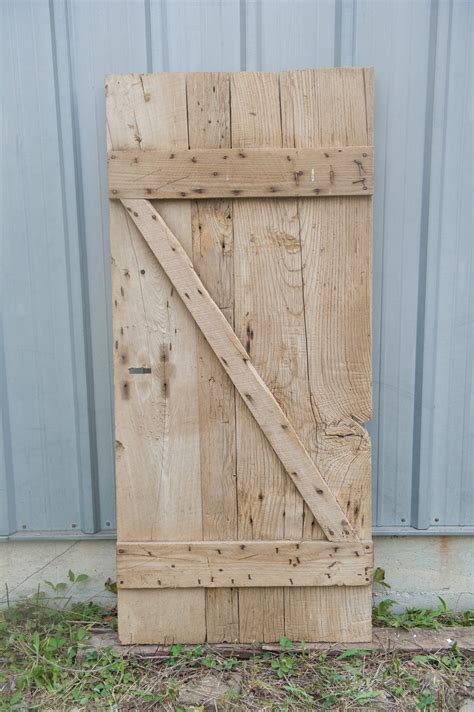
[{"x": 209, "y": 691}]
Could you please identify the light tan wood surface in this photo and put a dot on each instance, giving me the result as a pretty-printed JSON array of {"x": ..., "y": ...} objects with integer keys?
[
  {"x": 262, "y": 480},
  {"x": 234, "y": 358},
  {"x": 217, "y": 564},
  {"x": 270, "y": 295},
  {"x": 156, "y": 415},
  {"x": 323, "y": 108},
  {"x": 240, "y": 173},
  {"x": 208, "y": 100}
]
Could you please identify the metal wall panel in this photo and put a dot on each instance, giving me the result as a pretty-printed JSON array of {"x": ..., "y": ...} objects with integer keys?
[{"x": 56, "y": 476}]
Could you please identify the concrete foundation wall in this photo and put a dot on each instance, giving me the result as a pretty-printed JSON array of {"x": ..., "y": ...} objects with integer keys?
[{"x": 417, "y": 569}]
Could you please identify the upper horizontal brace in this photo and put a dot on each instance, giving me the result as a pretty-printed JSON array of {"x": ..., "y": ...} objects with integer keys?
[{"x": 241, "y": 173}]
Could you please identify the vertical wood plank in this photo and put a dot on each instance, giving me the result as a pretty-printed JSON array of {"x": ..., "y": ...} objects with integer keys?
[
  {"x": 262, "y": 481},
  {"x": 209, "y": 127},
  {"x": 324, "y": 108},
  {"x": 157, "y": 420}
]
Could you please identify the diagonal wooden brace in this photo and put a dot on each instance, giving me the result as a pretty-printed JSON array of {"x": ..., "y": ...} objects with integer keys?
[{"x": 234, "y": 359}]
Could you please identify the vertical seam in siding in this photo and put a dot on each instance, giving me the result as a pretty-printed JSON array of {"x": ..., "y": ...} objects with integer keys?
[
  {"x": 354, "y": 30},
  {"x": 420, "y": 504},
  {"x": 337, "y": 33},
  {"x": 258, "y": 34},
  {"x": 243, "y": 35},
  {"x": 67, "y": 240},
  {"x": 80, "y": 208},
  {"x": 164, "y": 36},
  {"x": 148, "y": 37},
  {"x": 10, "y": 504}
]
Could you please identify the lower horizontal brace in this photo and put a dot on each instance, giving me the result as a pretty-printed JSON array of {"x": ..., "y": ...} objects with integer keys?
[{"x": 224, "y": 564}]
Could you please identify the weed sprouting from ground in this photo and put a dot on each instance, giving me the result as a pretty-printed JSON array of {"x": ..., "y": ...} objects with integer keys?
[
  {"x": 420, "y": 617},
  {"x": 48, "y": 664}
]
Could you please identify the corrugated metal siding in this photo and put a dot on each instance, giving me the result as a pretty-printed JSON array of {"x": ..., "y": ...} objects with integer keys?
[{"x": 55, "y": 361}]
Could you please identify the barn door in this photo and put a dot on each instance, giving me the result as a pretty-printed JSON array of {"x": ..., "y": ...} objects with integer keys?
[{"x": 240, "y": 210}]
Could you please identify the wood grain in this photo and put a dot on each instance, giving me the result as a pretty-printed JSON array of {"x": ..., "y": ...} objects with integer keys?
[
  {"x": 279, "y": 287},
  {"x": 262, "y": 481},
  {"x": 156, "y": 414},
  {"x": 321, "y": 108},
  {"x": 208, "y": 102},
  {"x": 242, "y": 173},
  {"x": 238, "y": 366},
  {"x": 217, "y": 564}
]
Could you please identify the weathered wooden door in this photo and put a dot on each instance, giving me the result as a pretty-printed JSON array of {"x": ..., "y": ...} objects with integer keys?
[{"x": 240, "y": 209}]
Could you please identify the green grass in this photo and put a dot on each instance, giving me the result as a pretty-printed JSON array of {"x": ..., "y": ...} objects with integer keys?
[
  {"x": 46, "y": 665},
  {"x": 420, "y": 617}
]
